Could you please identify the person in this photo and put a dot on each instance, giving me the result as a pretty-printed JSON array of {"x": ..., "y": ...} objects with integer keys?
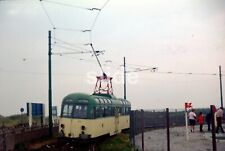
[
  {"x": 219, "y": 116},
  {"x": 201, "y": 121},
  {"x": 208, "y": 119},
  {"x": 192, "y": 119}
]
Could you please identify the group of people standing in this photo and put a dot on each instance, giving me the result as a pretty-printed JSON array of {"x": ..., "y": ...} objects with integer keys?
[{"x": 200, "y": 119}]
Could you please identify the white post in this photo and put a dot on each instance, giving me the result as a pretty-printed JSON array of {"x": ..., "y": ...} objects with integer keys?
[
  {"x": 30, "y": 114},
  {"x": 186, "y": 122}
]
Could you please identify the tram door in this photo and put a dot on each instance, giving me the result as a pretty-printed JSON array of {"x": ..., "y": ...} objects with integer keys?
[{"x": 117, "y": 120}]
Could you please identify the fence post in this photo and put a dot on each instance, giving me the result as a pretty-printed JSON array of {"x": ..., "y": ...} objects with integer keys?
[
  {"x": 213, "y": 128},
  {"x": 168, "y": 129},
  {"x": 142, "y": 129},
  {"x": 4, "y": 140},
  {"x": 135, "y": 126},
  {"x": 132, "y": 127}
]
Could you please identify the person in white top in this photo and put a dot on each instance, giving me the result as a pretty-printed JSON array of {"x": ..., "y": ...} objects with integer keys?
[
  {"x": 219, "y": 116},
  {"x": 192, "y": 119}
]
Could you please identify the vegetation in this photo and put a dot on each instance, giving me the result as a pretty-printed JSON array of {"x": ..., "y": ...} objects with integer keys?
[
  {"x": 11, "y": 121},
  {"x": 16, "y": 120},
  {"x": 119, "y": 142}
]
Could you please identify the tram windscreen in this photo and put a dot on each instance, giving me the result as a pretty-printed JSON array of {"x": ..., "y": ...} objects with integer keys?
[
  {"x": 74, "y": 111},
  {"x": 67, "y": 110}
]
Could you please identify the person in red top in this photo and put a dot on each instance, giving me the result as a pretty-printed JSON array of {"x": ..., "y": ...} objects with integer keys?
[{"x": 201, "y": 121}]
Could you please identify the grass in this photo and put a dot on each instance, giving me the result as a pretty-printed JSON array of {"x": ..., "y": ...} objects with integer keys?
[
  {"x": 119, "y": 142},
  {"x": 15, "y": 120}
]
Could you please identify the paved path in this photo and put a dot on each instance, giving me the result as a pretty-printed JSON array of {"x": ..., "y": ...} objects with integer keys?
[{"x": 155, "y": 140}]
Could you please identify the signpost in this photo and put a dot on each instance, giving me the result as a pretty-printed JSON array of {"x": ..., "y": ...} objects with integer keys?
[
  {"x": 213, "y": 110},
  {"x": 35, "y": 109},
  {"x": 187, "y": 106},
  {"x": 21, "y": 115}
]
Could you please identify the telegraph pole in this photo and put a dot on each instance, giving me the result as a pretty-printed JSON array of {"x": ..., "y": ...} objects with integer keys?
[
  {"x": 124, "y": 65},
  {"x": 49, "y": 84},
  {"x": 221, "y": 91}
]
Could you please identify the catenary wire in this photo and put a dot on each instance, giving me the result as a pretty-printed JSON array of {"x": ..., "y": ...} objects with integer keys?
[
  {"x": 48, "y": 16},
  {"x": 64, "y": 4}
]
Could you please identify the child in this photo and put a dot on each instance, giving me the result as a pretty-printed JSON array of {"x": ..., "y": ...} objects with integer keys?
[{"x": 201, "y": 121}]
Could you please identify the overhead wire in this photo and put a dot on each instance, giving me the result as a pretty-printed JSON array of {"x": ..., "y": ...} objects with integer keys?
[
  {"x": 72, "y": 29},
  {"x": 91, "y": 61},
  {"x": 134, "y": 66},
  {"x": 49, "y": 19},
  {"x": 48, "y": 16},
  {"x": 69, "y": 44},
  {"x": 67, "y": 5},
  {"x": 139, "y": 68},
  {"x": 90, "y": 38},
  {"x": 70, "y": 48},
  {"x": 34, "y": 73},
  {"x": 188, "y": 73},
  {"x": 69, "y": 53},
  {"x": 95, "y": 19}
]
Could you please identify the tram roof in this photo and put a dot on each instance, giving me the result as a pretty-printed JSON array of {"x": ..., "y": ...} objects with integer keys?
[{"x": 94, "y": 99}]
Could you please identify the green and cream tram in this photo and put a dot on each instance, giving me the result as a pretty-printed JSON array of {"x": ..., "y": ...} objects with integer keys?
[{"x": 86, "y": 116}]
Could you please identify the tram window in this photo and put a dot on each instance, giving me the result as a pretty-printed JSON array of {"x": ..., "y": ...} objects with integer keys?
[
  {"x": 113, "y": 111},
  {"x": 103, "y": 100},
  {"x": 80, "y": 111},
  {"x": 120, "y": 110},
  {"x": 117, "y": 110},
  {"x": 100, "y": 101},
  {"x": 108, "y": 111},
  {"x": 126, "y": 111},
  {"x": 99, "y": 111},
  {"x": 123, "y": 111},
  {"x": 67, "y": 110},
  {"x": 110, "y": 101}
]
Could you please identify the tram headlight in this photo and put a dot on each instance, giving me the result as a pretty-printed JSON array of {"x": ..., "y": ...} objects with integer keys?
[
  {"x": 83, "y": 127},
  {"x": 62, "y": 126}
]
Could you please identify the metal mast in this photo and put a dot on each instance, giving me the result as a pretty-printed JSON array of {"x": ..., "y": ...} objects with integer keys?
[{"x": 49, "y": 84}]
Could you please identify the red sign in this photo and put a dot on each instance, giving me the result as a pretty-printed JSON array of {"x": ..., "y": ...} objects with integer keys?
[{"x": 188, "y": 105}]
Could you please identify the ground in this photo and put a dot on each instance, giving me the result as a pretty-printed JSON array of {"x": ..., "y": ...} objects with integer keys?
[{"x": 156, "y": 140}]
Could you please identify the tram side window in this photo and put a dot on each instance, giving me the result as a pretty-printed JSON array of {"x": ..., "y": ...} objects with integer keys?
[
  {"x": 117, "y": 110},
  {"x": 113, "y": 111},
  {"x": 120, "y": 110},
  {"x": 80, "y": 111},
  {"x": 127, "y": 110},
  {"x": 123, "y": 111},
  {"x": 108, "y": 111},
  {"x": 67, "y": 110},
  {"x": 99, "y": 111}
]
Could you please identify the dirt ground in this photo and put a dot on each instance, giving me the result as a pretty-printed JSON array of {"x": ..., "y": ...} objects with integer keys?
[{"x": 156, "y": 140}]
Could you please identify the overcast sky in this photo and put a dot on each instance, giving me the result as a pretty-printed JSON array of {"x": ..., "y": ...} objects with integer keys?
[{"x": 178, "y": 36}]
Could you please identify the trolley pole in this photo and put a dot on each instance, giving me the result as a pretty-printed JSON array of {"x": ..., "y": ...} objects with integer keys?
[
  {"x": 221, "y": 91},
  {"x": 124, "y": 65},
  {"x": 49, "y": 84}
]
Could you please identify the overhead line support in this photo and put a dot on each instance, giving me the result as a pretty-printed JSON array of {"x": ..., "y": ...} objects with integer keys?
[{"x": 49, "y": 84}]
